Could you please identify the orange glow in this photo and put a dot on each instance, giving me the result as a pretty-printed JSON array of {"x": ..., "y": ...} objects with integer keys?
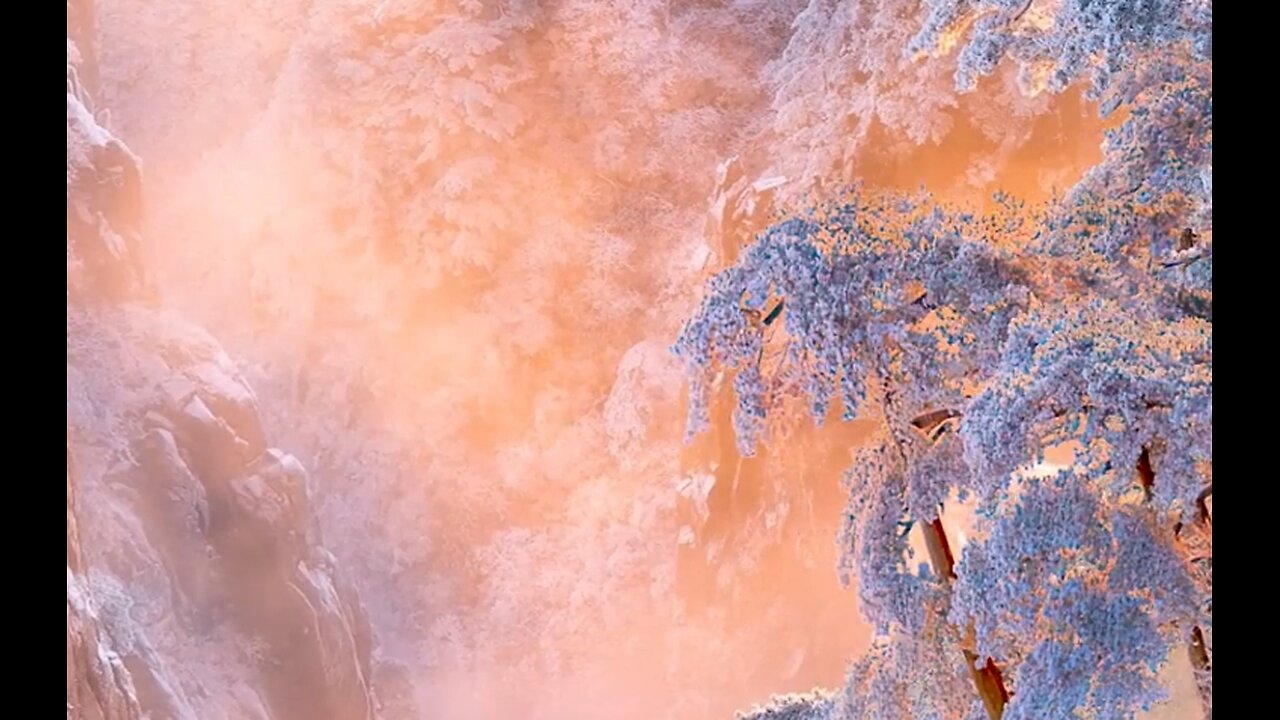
[{"x": 505, "y": 496}]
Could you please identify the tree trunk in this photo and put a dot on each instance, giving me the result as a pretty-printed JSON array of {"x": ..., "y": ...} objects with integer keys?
[
  {"x": 1203, "y": 672},
  {"x": 1146, "y": 475},
  {"x": 987, "y": 680},
  {"x": 1198, "y": 649}
]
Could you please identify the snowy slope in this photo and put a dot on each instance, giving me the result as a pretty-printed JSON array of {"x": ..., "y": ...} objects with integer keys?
[{"x": 198, "y": 586}]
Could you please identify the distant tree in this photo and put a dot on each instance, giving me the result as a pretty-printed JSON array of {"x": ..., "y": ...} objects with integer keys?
[
  {"x": 416, "y": 105},
  {"x": 848, "y": 101}
]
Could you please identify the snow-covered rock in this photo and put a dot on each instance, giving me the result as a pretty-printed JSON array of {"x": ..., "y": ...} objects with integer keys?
[
  {"x": 200, "y": 560},
  {"x": 645, "y": 396},
  {"x": 198, "y": 585}
]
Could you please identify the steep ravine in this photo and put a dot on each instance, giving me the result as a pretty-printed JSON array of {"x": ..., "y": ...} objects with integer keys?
[{"x": 198, "y": 585}]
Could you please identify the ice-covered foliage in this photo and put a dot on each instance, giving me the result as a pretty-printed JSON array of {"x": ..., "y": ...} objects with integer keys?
[
  {"x": 1081, "y": 597},
  {"x": 883, "y": 287},
  {"x": 881, "y": 292},
  {"x": 875, "y": 545},
  {"x": 1163, "y": 149},
  {"x": 1110, "y": 377},
  {"x": 1082, "y": 585},
  {"x": 1079, "y": 583},
  {"x": 1085, "y": 321},
  {"x": 1128, "y": 252},
  {"x": 909, "y": 676},
  {"x": 815, "y": 705},
  {"x": 857, "y": 80},
  {"x": 843, "y": 90},
  {"x": 1153, "y": 58},
  {"x": 1057, "y": 42}
]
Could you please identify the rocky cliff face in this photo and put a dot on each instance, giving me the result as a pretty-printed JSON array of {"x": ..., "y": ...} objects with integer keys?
[{"x": 198, "y": 586}]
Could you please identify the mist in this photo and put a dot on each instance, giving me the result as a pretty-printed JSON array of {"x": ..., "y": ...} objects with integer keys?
[{"x": 448, "y": 245}]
